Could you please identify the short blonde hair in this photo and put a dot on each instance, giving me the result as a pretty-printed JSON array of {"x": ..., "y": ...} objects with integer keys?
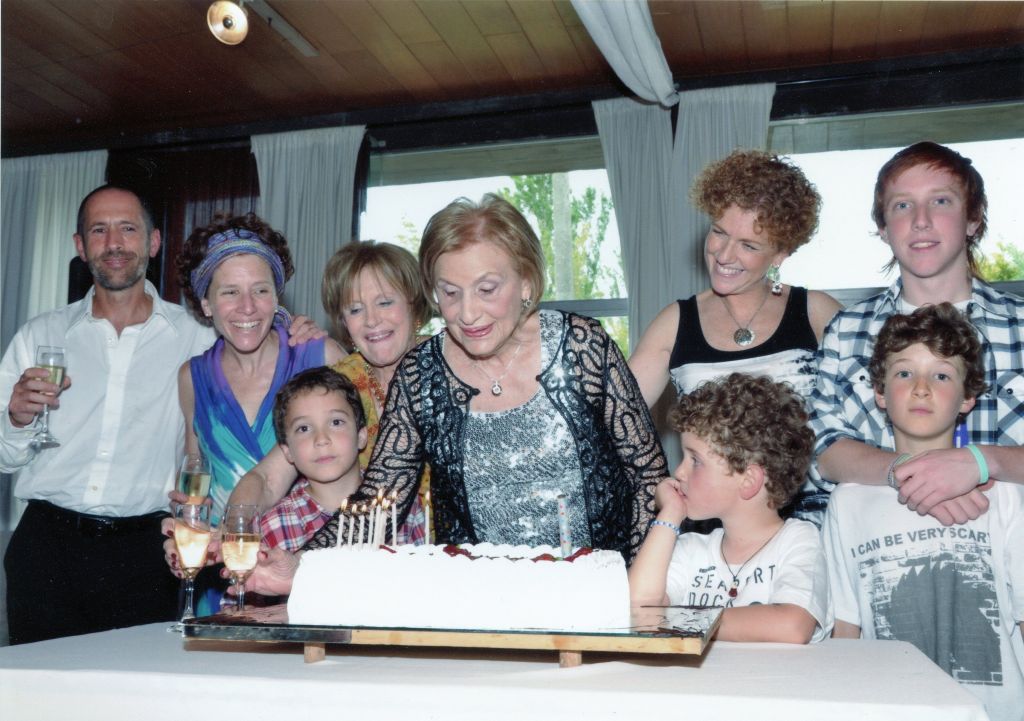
[
  {"x": 392, "y": 263},
  {"x": 494, "y": 220}
]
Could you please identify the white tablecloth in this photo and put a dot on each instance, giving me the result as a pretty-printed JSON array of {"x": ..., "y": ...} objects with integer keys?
[{"x": 146, "y": 673}]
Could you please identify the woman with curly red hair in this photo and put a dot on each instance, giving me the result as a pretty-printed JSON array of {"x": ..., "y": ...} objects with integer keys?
[{"x": 762, "y": 208}]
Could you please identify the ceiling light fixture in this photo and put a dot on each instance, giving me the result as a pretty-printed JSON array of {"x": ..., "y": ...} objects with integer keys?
[{"x": 229, "y": 23}]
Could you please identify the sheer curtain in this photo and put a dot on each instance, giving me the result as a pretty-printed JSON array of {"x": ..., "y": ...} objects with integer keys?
[
  {"x": 624, "y": 32},
  {"x": 41, "y": 195},
  {"x": 650, "y": 173},
  {"x": 307, "y": 180}
]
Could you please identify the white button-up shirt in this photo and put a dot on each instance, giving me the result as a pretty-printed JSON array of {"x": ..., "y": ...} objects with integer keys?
[{"x": 120, "y": 426}]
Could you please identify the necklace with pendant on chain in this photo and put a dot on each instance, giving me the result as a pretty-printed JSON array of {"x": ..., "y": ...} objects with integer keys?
[
  {"x": 743, "y": 335},
  {"x": 734, "y": 587},
  {"x": 496, "y": 388}
]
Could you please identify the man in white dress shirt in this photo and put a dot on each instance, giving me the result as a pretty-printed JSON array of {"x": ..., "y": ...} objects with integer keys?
[{"x": 87, "y": 553}]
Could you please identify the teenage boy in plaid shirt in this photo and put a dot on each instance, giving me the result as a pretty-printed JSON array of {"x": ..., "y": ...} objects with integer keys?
[{"x": 930, "y": 208}]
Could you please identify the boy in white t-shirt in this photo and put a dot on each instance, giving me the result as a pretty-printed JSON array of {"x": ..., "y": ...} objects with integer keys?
[
  {"x": 746, "y": 448},
  {"x": 955, "y": 592}
]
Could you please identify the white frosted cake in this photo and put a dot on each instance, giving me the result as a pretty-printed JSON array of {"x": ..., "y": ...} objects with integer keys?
[{"x": 481, "y": 586}]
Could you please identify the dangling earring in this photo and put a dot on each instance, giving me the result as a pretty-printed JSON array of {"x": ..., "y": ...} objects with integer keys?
[
  {"x": 773, "y": 276},
  {"x": 527, "y": 304}
]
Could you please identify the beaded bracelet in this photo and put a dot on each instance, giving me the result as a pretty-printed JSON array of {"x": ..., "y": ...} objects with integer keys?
[
  {"x": 666, "y": 524},
  {"x": 982, "y": 464}
]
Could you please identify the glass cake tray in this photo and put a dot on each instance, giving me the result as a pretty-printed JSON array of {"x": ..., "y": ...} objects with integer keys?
[{"x": 654, "y": 629}]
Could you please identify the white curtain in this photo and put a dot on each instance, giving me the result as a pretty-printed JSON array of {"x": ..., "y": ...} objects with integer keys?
[
  {"x": 650, "y": 174},
  {"x": 40, "y": 202},
  {"x": 41, "y": 195},
  {"x": 624, "y": 33},
  {"x": 307, "y": 181}
]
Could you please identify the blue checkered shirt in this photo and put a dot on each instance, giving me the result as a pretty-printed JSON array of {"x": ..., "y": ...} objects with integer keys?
[{"x": 843, "y": 401}]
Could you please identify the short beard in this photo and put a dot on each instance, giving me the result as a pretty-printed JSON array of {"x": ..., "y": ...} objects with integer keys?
[{"x": 108, "y": 283}]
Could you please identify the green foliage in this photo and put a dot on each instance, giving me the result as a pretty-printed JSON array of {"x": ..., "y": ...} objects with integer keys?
[
  {"x": 410, "y": 236},
  {"x": 1007, "y": 263},
  {"x": 533, "y": 195}
]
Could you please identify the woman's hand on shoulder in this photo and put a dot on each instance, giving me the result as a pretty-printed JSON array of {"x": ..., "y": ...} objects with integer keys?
[
  {"x": 303, "y": 329},
  {"x": 821, "y": 308}
]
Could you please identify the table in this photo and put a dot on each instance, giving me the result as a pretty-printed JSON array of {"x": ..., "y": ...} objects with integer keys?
[{"x": 149, "y": 674}]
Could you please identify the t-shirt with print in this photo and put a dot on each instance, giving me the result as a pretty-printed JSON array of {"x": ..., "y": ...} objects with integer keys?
[
  {"x": 956, "y": 593},
  {"x": 789, "y": 569}
]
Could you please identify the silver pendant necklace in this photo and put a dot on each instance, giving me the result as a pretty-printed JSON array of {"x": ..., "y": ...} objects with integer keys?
[
  {"x": 496, "y": 388},
  {"x": 743, "y": 335}
]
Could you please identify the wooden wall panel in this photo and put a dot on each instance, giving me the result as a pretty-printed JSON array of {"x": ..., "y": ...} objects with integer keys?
[
  {"x": 116, "y": 67},
  {"x": 854, "y": 31}
]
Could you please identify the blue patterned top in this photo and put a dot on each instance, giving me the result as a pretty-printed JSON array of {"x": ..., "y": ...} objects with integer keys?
[{"x": 225, "y": 435}]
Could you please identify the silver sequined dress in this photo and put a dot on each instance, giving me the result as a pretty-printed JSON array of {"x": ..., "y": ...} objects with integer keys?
[{"x": 517, "y": 463}]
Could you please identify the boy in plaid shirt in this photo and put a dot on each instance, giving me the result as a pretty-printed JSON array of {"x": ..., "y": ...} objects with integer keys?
[
  {"x": 930, "y": 208},
  {"x": 320, "y": 425}
]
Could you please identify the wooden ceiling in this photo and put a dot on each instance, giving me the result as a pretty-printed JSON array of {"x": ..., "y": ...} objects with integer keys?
[{"x": 91, "y": 71}]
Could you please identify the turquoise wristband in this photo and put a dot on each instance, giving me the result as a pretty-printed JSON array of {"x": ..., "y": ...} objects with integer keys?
[
  {"x": 666, "y": 524},
  {"x": 982, "y": 464}
]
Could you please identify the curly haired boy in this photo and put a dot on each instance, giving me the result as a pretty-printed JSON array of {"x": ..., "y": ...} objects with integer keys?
[{"x": 746, "y": 448}]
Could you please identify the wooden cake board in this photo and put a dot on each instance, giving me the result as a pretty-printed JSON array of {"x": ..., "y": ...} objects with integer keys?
[{"x": 656, "y": 630}]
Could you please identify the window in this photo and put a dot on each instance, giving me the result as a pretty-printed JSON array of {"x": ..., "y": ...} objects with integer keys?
[
  {"x": 842, "y": 157},
  {"x": 581, "y": 242}
]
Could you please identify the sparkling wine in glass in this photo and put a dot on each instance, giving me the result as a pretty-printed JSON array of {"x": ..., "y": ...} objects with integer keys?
[
  {"x": 50, "y": 358},
  {"x": 191, "y": 536},
  {"x": 240, "y": 544},
  {"x": 194, "y": 476}
]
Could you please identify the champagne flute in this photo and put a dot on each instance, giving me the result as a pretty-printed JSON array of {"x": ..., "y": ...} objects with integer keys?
[
  {"x": 50, "y": 358},
  {"x": 191, "y": 536},
  {"x": 194, "y": 476},
  {"x": 240, "y": 544}
]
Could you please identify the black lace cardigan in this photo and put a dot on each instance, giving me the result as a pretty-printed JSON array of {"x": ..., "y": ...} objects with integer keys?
[{"x": 587, "y": 381}]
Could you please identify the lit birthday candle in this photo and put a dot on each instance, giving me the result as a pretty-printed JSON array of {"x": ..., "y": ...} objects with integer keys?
[
  {"x": 563, "y": 527},
  {"x": 351, "y": 525},
  {"x": 362, "y": 519}
]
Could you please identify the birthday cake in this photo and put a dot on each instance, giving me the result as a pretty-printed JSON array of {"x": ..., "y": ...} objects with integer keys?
[{"x": 481, "y": 587}]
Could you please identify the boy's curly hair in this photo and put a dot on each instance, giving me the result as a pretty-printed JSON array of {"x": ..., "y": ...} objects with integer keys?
[
  {"x": 944, "y": 330},
  {"x": 786, "y": 202},
  {"x": 194, "y": 250},
  {"x": 752, "y": 420}
]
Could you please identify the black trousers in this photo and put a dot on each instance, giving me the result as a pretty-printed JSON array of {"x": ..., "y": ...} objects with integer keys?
[{"x": 70, "y": 573}]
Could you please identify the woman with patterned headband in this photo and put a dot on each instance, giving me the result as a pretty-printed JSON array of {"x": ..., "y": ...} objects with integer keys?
[{"x": 233, "y": 273}]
